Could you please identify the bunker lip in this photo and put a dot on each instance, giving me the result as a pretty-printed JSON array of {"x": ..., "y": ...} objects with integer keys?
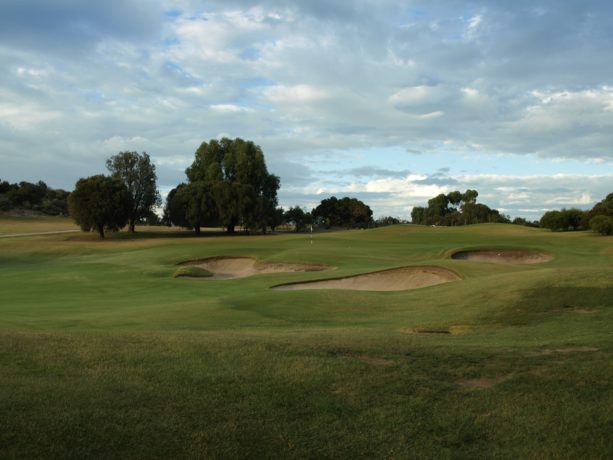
[
  {"x": 503, "y": 256},
  {"x": 233, "y": 267},
  {"x": 392, "y": 279}
]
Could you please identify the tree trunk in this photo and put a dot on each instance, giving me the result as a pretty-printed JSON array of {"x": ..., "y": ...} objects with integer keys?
[
  {"x": 230, "y": 228},
  {"x": 132, "y": 225},
  {"x": 101, "y": 231},
  {"x": 197, "y": 229}
]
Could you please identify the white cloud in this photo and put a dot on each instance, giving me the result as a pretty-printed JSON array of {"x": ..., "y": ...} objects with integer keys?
[
  {"x": 230, "y": 108},
  {"x": 416, "y": 96},
  {"x": 282, "y": 94}
]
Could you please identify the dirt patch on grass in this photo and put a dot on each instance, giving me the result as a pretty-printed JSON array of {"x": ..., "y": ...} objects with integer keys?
[
  {"x": 374, "y": 361},
  {"x": 482, "y": 382},
  {"x": 584, "y": 311},
  {"x": 443, "y": 330},
  {"x": 225, "y": 268},
  {"x": 430, "y": 330},
  {"x": 504, "y": 256},
  {"x": 553, "y": 351},
  {"x": 395, "y": 279}
]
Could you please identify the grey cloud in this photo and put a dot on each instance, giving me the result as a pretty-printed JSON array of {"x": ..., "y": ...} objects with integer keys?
[
  {"x": 68, "y": 25},
  {"x": 161, "y": 96},
  {"x": 373, "y": 171},
  {"x": 437, "y": 180}
]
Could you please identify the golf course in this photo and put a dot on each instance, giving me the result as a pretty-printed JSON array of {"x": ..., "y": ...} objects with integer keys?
[{"x": 407, "y": 341}]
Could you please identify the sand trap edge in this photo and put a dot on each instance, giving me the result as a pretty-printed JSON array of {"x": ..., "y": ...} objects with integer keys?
[
  {"x": 506, "y": 256},
  {"x": 454, "y": 276},
  {"x": 252, "y": 267}
]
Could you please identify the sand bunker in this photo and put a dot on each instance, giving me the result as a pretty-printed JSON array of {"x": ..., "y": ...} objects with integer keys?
[
  {"x": 225, "y": 268},
  {"x": 395, "y": 279},
  {"x": 504, "y": 256}
]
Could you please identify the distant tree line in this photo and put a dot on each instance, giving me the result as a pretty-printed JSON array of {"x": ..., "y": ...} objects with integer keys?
[
  {"x": 456, "y": 208},
  {"x": 598, "y": 219},
  {"x": 330, "y": 213},
  {"x": 38, "y": 197}
]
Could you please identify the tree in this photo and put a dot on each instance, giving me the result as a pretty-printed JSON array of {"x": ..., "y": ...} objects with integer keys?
[
  {"x": 298, "y": 217},
  {"x": 346, "y": 212},
  {"x": 563, "y": 220},
  {"x": 27, "y": 194},
  {"x": 443, "y": 210},
  {"x": 418, "y": 215},
  {"x": 387, "y": 220},
  {"x": 552, "y": 220},
  {"x": 602, "y": 224},
  {"x": 138, "y": 175},
  {"x": 602, "y": 208},
  {"x": 190, "y": 206},
  {"x": 100, "y": 203},
  {"x": 235, "y": 172}
]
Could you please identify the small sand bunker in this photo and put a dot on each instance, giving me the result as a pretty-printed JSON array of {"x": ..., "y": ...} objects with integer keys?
[
  {"x": 395, "y": 279},
  {"x": 225, "y": 268},
  {"x": 504, "y": 256}
]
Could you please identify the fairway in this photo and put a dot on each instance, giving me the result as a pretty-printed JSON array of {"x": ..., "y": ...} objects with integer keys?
[{"x": 107, "y": 351}]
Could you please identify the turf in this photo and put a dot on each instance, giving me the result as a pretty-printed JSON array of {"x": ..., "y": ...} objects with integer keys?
[{"x": 103, "y": 353}]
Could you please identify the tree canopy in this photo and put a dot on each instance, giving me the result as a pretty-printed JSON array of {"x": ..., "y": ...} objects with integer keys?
[
  {"x": 599, "y": 218},
  {"x": 100, "y": 203},
  {"x": 36, "y": 197},
  {"x": 346, "y": 212},
  {"x": 298, "y": 218},
  {"x": 455, "y": 208},
  {"x": 137, "y": 173},
  {"x": 229, "y": 185}
]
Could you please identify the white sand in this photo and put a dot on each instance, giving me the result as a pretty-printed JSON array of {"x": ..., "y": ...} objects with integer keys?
[{"x": 224, "y": 268}]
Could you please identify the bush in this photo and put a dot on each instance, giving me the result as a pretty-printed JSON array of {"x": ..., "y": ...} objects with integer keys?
[{"x": 602, "y": 224}]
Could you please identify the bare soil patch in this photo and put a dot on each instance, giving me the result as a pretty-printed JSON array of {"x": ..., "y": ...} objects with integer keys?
[
  {"x": 584, "y": 311},
  {"x": 429, "y": 330},
  {"x": 225, "y": 268},
  {"x": 482, "y": 382},
  {"x": 457, "y": 329},
  {"x": 567, "y": 350},
  {"x": 375, "y": 361},
  {"x": 395, "y": 279},
  {"x": 504, "y": 256}
]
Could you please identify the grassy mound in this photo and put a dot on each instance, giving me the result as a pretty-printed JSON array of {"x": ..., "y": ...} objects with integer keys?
[{"x": 191, "y": 271}]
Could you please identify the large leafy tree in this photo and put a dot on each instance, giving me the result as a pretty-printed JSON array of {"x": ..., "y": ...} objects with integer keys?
[
  {"x": 137, "y": 172},
  {"x": 190, "y": 205},
  {"x": 346, "y": 212},
  {"x": 100, "y": 203},
  {"x": 234, "y": 172}
]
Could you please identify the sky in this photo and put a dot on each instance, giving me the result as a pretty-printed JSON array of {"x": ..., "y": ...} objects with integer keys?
[{"x": 389, "y": 101}]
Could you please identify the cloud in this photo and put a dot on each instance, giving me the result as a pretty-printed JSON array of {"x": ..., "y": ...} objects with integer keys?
[
  {"x": 313, "y": 83},
  {"x": 69, "y": 25}
]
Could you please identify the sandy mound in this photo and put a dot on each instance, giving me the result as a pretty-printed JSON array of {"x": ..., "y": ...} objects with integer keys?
[
  {"x": 395, "y": 279},
  {"x": 224, "y": 268},
  {"x": 504, "y": 256}
]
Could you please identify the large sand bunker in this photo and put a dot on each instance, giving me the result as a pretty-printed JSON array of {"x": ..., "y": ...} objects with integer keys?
[
  {"x": 504, "y": 256},
  {"x": 395, "y": 279},
  {"x": 224, "y": 268}
]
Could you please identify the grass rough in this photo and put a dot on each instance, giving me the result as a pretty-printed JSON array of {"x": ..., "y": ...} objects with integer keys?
[{"x": 103, "y": 354}]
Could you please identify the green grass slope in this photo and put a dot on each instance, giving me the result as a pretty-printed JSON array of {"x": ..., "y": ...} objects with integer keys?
[{"x": 104, "y": 353}]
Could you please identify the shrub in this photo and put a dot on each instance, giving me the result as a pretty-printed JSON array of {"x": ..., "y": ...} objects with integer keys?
[{"x": 602, "y": 224}]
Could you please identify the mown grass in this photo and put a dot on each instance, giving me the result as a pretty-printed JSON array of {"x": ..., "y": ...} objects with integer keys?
[{"x": 104, "y": 354}]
